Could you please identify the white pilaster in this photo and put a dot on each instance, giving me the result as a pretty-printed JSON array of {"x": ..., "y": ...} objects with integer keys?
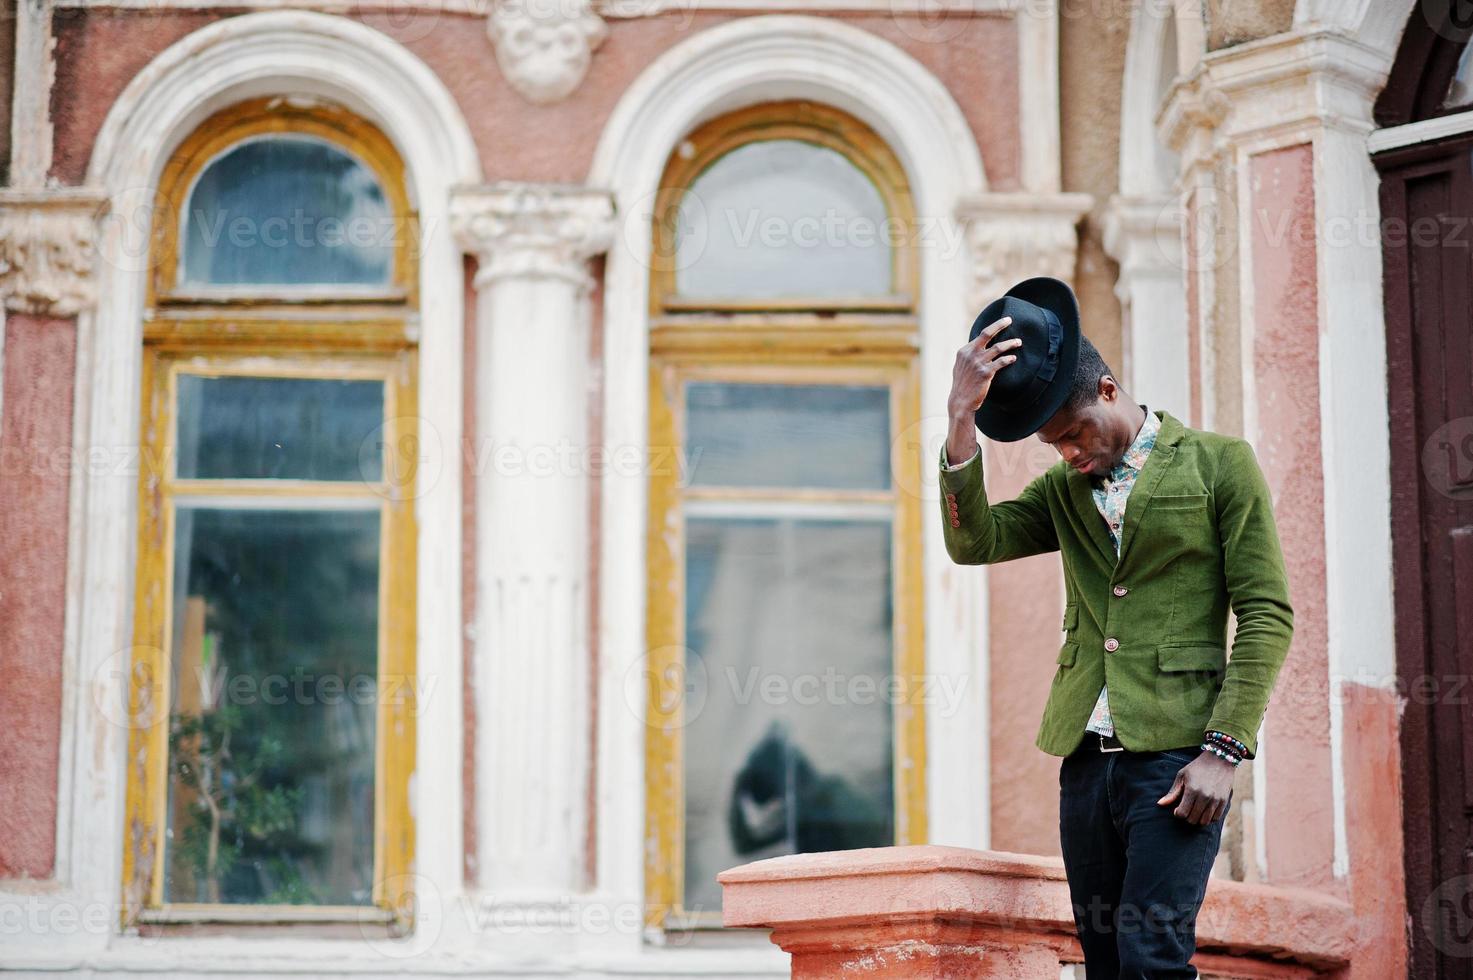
[
  {"x": 1143, "y": 234},
  {"x": 30, "y": 113},
  {"x": 1038, "y": 95},
  {"x": 532, "y": 497}
]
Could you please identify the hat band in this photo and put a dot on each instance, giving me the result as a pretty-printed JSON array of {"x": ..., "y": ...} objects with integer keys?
[{"x": 1045, "y": 375}]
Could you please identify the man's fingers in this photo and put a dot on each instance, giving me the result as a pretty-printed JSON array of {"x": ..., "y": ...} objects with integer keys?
[
  {"x": 992, "y": 330},
  {"x": 1173, "y": 793},
  {"x": 1003, "y": 345}
]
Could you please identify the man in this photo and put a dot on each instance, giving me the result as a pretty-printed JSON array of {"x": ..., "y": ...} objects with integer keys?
[{"x": 1147, "y": 710}]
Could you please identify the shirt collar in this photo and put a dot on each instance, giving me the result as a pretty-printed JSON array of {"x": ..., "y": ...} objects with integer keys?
[{"x": 1139, "y": 449}]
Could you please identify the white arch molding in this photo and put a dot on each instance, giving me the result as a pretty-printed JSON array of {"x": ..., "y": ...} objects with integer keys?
[
  {"x": 294, "y": 54},
  {"x": 751, "y": 60}
]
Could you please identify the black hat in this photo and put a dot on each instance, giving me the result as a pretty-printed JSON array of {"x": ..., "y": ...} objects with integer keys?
[{"x": 1026, "y": 393}]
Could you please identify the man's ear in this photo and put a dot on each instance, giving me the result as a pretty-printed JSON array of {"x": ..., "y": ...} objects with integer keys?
[{"x": 1108, "y": 388}]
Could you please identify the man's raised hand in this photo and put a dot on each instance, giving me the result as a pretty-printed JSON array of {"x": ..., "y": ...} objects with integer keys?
[
  {"x": 976, "y": 365},
  {"x": 971, "y": 377}
]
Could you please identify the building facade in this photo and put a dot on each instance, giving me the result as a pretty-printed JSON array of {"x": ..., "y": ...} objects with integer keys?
[{"x": 469, "y": 469}]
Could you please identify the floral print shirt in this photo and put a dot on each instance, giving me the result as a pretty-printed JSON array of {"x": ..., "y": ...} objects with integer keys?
[{"x": 1110, "y": 494}]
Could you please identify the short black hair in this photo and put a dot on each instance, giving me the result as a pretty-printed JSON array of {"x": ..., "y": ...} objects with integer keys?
[{"x": 1092, "y": 367}]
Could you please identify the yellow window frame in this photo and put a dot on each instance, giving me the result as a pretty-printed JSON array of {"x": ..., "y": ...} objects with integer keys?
[
  {"x": 792, "y": 119},
  {"x": 827, "y": 340},
  {"x": 275, "y": 333},
  {"x": 280, "y": 116}
]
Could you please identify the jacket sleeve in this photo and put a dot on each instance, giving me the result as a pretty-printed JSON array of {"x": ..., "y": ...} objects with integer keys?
[
  {"x": 983, "y": 533},
  {"x": 1258, "y": 589}
]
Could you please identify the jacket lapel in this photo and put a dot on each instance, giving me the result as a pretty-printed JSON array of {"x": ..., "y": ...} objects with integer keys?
[
  {"x": 1150, "y": 476},
  {"x": 1084, "y": 505}
]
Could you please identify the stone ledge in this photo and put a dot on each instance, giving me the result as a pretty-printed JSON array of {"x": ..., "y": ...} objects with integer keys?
[{"x": 928, "y": 910}]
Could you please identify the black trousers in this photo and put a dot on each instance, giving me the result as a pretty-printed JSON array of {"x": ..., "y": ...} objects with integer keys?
[{"x": 1137, "y": 873}]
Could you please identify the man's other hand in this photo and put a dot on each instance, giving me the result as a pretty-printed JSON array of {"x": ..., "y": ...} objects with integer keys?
[{"x": 1201, "y": 788}]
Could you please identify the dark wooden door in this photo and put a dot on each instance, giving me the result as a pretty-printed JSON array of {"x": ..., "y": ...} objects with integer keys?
[{"x": 1427, "y": 212}]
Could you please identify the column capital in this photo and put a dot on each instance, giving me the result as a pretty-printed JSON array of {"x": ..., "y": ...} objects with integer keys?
[
  {"x": 531, "y": 231},
  {"x": 1014, "y": 236},
  {"x": 1279, "y": 89},
  {"x": 48, "y": 249}
]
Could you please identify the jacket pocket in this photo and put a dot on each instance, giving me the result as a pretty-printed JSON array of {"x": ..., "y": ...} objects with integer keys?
[
  {"x": 1188, "y": 507},
  {"x": 1191, "y": 656},
  {"x": 1067, "y": 653},
  {"x": 1071, "y": 616}
]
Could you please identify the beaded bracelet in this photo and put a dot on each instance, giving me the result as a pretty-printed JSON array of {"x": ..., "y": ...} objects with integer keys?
[
  {"x": 1227, "y": 742},
  {"x": 1221, "y": 752},
  {"x": 1225, "y": 747}
]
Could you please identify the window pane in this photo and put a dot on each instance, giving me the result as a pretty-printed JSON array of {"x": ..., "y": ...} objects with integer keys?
[
  {"x": 287, "y": 211},
  {"x": 1460, "y": 92},
  {"x": 788, "y": 746},
  {"x": 751, "y": 435},
  {"x": 279, "y": 428},
  {"x": 273, "y": 714},
  {"x": 782, "y": 218}
]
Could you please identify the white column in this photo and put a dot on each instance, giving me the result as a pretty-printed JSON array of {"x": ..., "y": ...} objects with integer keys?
[
  {"x": 1143, "y": 234},
  {"x": 30, "y": 105},
  {"x": 532, "y": 497}
]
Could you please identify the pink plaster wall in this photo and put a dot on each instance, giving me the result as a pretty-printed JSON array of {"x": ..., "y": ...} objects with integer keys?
[
  {"x": 1370, "y": 721},
  {"x": 98, "y": 53},
  {"x": 1025, "y": 610},
  {"x": 1195, "y": 323},
  {"x": 35, "y": 456},
  {"x": 1286, "y": 374}
]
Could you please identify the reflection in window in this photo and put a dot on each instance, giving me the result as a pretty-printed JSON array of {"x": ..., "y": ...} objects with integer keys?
[
  {"x": 272, "y": 720},
  {"x": 782, "y": 218},
  {"x": 1460, "y": 92},
  {"x": 287, "y": 211},
  {"x": 254, "y": 428},
  {"x": 790, "y": 752},
  {"x": 782, "y": 435}
]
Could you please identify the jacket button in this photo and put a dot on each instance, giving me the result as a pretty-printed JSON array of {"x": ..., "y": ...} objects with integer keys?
[
  {"x": 1112, "y": 644},
  {"x": 1120, "y": 590},
  {"x": 955, "y": 522},
  {"x": 951, "y": 497}
]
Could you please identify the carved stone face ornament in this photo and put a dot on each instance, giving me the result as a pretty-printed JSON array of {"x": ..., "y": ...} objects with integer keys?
[{"x": 544, "y": 47}]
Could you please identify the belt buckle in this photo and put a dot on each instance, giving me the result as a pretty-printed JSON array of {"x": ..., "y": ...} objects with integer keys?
[{"x": 1105, "y": 748}]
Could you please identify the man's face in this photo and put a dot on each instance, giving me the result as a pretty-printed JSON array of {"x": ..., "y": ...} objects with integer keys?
[{"x": 1091, "y": 439}]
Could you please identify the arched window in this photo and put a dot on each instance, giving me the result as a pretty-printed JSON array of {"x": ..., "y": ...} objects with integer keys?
[
  {"x": 784, "y": 578},
  {"x": 272, "y": 683}
]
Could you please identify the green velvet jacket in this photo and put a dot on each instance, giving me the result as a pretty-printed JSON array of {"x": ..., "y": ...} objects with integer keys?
[{"x": 1199, "y": 539}]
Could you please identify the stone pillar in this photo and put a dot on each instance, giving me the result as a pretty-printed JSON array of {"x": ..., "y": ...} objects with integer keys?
[
  {"x": 533, "y": 242},
  {"x": 1143, "y": 234}
]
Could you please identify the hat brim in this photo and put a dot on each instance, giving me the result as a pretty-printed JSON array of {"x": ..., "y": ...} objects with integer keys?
[{"x": 1001, "y": 425}]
